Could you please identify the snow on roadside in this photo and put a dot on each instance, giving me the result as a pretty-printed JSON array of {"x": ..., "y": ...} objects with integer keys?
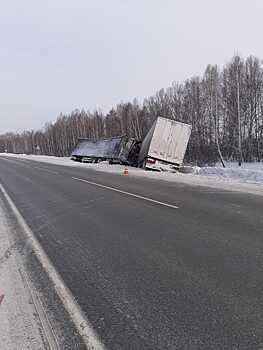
[
  {"x": 18, "y": 325},
  {"x": 248, "y": 166},
  {"x": 248, "y": 178},
  {"x": 242, "y": 174}
]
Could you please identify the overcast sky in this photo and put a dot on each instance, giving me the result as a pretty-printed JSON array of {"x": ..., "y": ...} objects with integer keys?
[{"x": 58, "y": 55}]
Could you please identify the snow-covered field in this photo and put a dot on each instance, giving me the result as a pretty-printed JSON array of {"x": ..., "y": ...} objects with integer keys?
[
  {"x": 247, "y": 178},
  {"x": 19, "y": 327}
]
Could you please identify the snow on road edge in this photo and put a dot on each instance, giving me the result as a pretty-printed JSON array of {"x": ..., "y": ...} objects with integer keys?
[{"x": 19, "y": 327}]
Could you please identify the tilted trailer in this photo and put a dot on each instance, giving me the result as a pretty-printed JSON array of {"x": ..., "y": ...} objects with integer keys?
[{"x": 164, "y": 145}]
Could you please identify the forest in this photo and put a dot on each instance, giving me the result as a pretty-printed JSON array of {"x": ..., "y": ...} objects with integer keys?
[{"x": 224, "y": 107}]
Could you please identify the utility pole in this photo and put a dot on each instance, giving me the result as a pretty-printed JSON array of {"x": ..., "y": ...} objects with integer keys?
[
  {"x": 239, "y": 123},
  {"x": 217, "y": 136}
]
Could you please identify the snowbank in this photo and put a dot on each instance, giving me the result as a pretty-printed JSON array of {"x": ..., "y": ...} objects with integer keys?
[{"x": 245, "y": 174}]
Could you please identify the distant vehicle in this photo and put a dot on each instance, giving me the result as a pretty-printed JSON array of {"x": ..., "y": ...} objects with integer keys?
[
  {"x": 165, "y": 145},
  {"x": 120, "y": 150}
]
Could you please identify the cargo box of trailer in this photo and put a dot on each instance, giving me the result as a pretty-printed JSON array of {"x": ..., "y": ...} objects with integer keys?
[{"x": 165, "y": 144}]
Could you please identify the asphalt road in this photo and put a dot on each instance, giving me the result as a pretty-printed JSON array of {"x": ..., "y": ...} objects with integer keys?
[{"x": 155, "y": 264}]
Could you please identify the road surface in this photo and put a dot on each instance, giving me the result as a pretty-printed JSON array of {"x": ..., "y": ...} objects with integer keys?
[{"x": 153, "y": 264}]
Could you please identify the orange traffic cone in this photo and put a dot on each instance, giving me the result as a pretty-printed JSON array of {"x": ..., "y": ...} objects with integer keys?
[{"x": 125, "y": 171}]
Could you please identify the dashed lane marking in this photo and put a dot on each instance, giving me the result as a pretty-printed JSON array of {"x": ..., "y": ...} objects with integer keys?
[{"x": 127, "y": 193}]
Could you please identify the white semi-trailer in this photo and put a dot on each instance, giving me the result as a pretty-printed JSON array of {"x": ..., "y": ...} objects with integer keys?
[{"x": 165, "y": 144}]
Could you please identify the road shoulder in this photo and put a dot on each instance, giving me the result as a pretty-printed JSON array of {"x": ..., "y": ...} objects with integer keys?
[{"x": 19, "y": 325}]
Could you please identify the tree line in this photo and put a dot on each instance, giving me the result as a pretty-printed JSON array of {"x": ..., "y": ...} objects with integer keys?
[{"x": 224, "y": 107}]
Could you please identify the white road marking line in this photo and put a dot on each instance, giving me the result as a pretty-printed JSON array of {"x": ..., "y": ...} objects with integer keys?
[
  {"x": 90, "y": 338},
  {"x": 47, "y": 170},
  {"x": 127, "y": 193}
]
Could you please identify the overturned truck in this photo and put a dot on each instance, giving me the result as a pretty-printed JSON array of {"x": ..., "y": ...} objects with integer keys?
[
  {"x": 164, "y": 146},
  {"x": 118, "y": 149}
]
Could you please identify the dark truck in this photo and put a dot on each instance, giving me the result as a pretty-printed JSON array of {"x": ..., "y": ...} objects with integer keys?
[{"x": 119, "y": 150}]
